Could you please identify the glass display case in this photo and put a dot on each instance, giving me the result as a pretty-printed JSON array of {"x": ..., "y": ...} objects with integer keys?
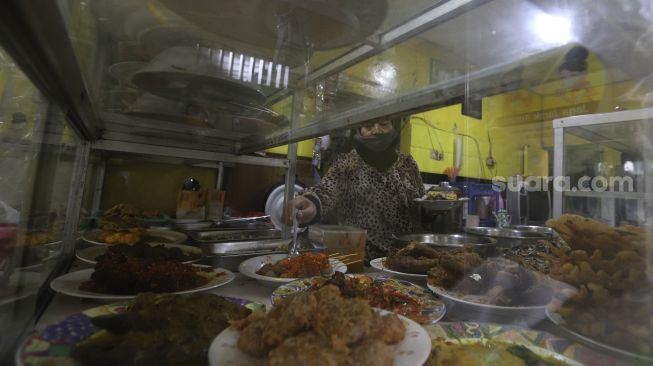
[
  {"x": 37, "y": 158},
  {"x": 600, "y": 162},
  {"x": 483, "y": 91}
]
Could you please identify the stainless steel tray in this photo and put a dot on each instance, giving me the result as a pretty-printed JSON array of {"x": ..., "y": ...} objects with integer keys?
[
  {"x": 244, "y": 247},
  {"x": 200, "y": 225},
  {"x": 218, "y": 236},
  {"x": 483, "y": 245},
  {"x": 455, "y": 240},
  {"x": 508, "y": 237}
]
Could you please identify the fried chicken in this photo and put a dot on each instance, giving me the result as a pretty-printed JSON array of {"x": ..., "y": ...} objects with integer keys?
[
  {"x": 389, "y": 328},
  {"x": 321, "y": 328},
  {"x": 343, "y": 321},
  {"x": 371, "y": 352},
  {"x": 289, "y": 318},
  {"x": 306, "y": 349}
]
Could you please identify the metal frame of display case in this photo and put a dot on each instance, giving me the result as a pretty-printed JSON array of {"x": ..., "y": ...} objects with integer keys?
[{"x": 582, "y": 127}]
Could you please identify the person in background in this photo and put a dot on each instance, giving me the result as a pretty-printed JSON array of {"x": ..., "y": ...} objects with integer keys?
[{"x": 371, "y": 187}]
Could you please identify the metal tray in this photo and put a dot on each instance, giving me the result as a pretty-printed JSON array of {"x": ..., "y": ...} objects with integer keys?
[
  {"x": 230, "y": 254},
  {"x": 481, "y": 244},
  {"x": 218, "y": 236},
  {"x": 508, "y": 237},
  {"x": 200, "y": 225},
  {"x": 240, "y": 247},
  {"x": 532, "y": 229}
]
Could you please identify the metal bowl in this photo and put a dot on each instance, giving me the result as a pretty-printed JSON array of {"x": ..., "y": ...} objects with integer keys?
[
  {"x": 507, "y": 237},
  {"x": 483, "y": 245},
  {"x": 528, "y": 230}
]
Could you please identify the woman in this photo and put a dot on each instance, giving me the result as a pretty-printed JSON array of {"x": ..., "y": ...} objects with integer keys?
[{"x": 371, "y": 187}]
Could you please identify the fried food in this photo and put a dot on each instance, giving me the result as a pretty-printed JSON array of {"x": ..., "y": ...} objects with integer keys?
[
  {"x": 413, "y": 258},
  {"x": 154, "y": 252},
  {"x": 307, "y": 348},
  {"x": 115, "y": 273},
  {"x": 452, "y": 267},
  {"x": 290, "y": 318},
  {"x": 606, "y": 265},
  {"x": 122, "y": 216},
  {"x": 321, "y": 328},
  {"x": 371, "y": 352},
  {"x": 420, "y": 258},
  {"x": 131, "y": 236},
  {"x": 304, "y": 265},
  {"x": 251, "y": 338},
  {"x": 382, "y": 295},
  {"x": 389, "y": 328},
  {"x": 343, "y": 321},
  {"x": 159, "y": 330}
]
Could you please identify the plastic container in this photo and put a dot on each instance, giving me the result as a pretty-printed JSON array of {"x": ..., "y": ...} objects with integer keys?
[{"x": 343, "y": 240}]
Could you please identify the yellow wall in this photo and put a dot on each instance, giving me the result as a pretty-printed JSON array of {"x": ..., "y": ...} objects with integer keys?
[
  {"x": 149, "y": 185},
  {"x": 519, "y": 124}
]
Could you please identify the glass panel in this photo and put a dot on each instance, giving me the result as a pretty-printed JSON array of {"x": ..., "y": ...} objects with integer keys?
[{"x": 37, "y": 153}]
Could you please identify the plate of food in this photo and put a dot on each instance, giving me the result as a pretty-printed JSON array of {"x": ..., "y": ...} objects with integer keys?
[
  {"x": 322, "y": 325},
  {"x": 122, "y": 281},
  {"x": 414, "y": 260},
  {"x": 495, "y": 286},
  {"x": 105, "y": 335},
  {"x": 400, "y": 297},
  {"x": 133, "y": 236},
  {"x": 277, "y": 269},
  {"x": 175, "y": 252},
  {"x": 381, "y": 265},
  {"x": 613, "y": 302},
  {"x": 469, "y": 343}
]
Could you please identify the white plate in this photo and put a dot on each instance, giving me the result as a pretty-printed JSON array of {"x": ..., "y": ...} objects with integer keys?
[
  {"x": 453, "y": 297},
  {"x": 250, "y": 266},
  {"x": 413, "y": 350},
  {"x": 575, "y": 336},
  {"x": 89, "y": 254},
  {"x": 167, "y": 237},
  {"x": 379, "y": 263},
  {"x": 69, "y": 283},
  {"x": 274, "y": 204}
]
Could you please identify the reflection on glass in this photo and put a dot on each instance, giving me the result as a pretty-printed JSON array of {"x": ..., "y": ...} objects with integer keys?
[{"x": 36, "y": 158}]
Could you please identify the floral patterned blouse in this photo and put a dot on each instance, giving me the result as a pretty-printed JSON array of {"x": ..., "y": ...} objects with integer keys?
[{"x": 357, "y": 194}]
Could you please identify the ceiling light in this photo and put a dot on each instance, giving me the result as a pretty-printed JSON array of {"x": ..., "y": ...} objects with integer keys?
[{"x": 553, "y": 29}]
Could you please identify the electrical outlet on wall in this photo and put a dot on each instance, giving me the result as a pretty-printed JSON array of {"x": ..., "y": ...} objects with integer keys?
[
  {"x": 490, "y": 162},
  {"x": 437, "y": 155}
]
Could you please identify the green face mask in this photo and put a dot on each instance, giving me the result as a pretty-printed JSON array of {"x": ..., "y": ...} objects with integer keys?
[{"x": 377, "y": 143}]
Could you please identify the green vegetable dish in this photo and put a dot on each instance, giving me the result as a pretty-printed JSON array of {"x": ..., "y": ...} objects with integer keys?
[{"x": 482, "y": 353}]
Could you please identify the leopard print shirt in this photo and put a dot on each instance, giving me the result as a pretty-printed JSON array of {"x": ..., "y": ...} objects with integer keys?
[{"x": 354, "y": 193}]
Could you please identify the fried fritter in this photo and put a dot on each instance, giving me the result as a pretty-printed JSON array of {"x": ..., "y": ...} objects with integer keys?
[
  {"x": 388, "y": 329},
  {"x": 343, "y": 321},
  {"x": 251, "y": 339},
  {"x": 371, "y": 352},
  {"x": 289, "y": 318},
  {"x": 306, "y": 349}
]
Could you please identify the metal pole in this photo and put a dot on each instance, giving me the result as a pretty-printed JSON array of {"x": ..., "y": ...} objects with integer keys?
[
  {"x": 99, "y": 186},
  {"x": 220, "y": 180},
  {"x": 558, "y": 169},
  {"x": 289, "y": 192}
]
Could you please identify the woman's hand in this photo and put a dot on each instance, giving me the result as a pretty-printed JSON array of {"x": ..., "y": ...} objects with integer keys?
[{"x": 306, "y": 210}]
